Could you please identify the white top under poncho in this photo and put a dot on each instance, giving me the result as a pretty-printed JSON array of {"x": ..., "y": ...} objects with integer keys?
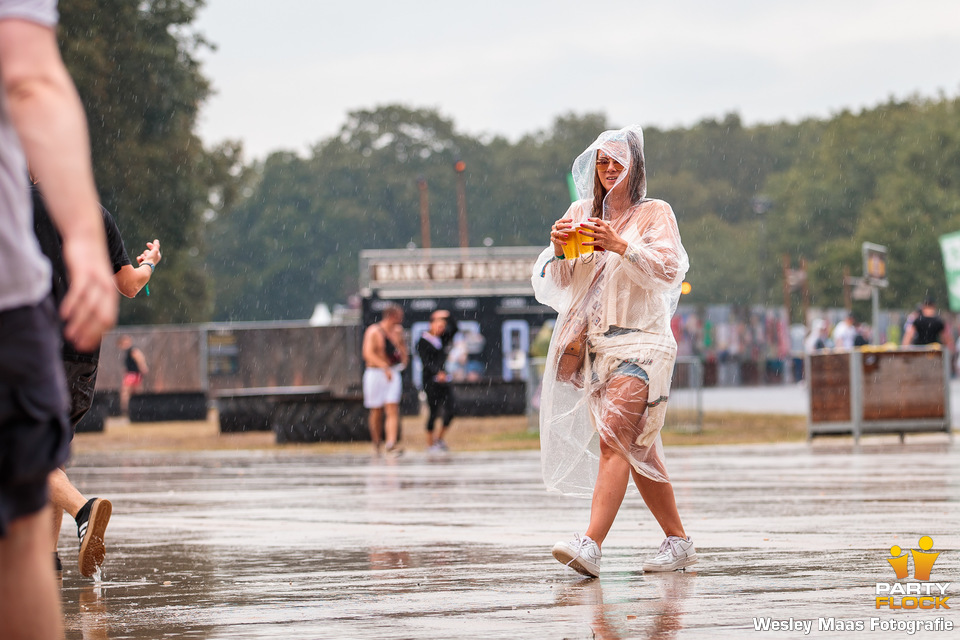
[{"x": 627, "y": 302}]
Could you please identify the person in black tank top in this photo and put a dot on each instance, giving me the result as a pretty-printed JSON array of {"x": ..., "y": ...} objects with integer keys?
[
  {"x": 928, "y": 328},
  {"x": 130, "y": 362},
  {"x": 135, "y": 364}
]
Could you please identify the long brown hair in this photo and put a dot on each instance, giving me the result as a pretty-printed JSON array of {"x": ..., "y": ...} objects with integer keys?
[{"x": 637, "y": 182}]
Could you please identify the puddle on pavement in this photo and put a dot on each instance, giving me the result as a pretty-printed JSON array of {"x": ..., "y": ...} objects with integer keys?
[{"x": 240, "y": 545}]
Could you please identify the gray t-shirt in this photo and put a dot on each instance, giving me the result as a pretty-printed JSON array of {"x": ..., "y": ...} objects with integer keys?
[{"x": 24, "y": 272}]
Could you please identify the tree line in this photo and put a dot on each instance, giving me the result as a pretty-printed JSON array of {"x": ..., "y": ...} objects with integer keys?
[{"x": 268, "y": 240}]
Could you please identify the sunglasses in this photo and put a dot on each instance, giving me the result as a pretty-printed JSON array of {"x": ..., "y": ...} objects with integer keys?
[{"x": 604, "y": 162}]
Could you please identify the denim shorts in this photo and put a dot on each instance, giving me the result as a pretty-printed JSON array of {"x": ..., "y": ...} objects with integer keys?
[
  {"x": 632, "y": 369},
  {"x": 627, "y": 367},
  {"x": 34, "y": 429}
]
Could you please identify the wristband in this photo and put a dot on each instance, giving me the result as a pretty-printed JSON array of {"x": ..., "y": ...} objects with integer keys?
[
  {"x": 146, "y": 286},
  {"x": 543, "y": 273}
]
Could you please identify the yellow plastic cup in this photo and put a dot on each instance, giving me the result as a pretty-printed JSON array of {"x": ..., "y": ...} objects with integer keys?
[
  {"x": 571, "y": 250},
  {"x": 584, "y": 249}
]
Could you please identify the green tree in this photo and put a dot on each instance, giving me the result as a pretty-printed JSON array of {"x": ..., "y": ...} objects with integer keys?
[
  {"x": 135, "y": 66},
  {"x": 888, "y": 175},
  {"x": 723, "y": 261}
]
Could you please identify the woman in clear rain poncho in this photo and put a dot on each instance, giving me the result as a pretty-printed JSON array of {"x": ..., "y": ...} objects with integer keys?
[{"x": 612, "y": 353}]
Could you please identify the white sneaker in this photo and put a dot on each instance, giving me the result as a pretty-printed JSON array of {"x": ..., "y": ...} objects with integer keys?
[
  {"x": 581, "y": 554},
  {"x": 675, "y": 553},
  {"x": 394, "y": 450}
]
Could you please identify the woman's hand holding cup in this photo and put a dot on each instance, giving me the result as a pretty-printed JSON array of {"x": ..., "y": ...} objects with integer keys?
[{"x": 560, "y": 234}]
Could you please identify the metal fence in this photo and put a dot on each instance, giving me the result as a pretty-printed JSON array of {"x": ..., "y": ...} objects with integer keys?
[{"x": 684, "y": 409}]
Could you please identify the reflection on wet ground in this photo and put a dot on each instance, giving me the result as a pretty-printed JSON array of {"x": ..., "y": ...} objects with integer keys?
[{"x": 271, "y": 545}]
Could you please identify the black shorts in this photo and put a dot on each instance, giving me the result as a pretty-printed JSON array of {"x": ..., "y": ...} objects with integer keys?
[
  {"x": 81, "y": 382},
  {"x": 34, "y": 430}
]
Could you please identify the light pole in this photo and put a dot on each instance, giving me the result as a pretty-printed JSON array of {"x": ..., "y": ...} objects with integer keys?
[
  {"x": 460, "y": 167},
  {"x": 424, "y": 212},
  {"x": 761, "y": 204}
]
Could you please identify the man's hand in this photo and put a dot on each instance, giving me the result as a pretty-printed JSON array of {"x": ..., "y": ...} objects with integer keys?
[
  {"x": 151, "y": 254},
  {"x": 90, "y": 307}
]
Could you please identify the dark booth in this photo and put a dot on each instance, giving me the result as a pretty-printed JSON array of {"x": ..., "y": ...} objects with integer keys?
[{"x": 488, "y": 292}]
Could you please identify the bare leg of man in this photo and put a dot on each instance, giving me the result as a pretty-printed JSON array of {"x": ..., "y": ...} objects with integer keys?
[
  {"x": 125, "y": 393},
  {"x": 64, "y": 497},
  {"x": 376, "y": 422},
  {"x": 29, "y": 600},
  {"x": 392, "y": 423}
]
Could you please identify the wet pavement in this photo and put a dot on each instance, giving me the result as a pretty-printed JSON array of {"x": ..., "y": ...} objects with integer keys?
[{"x": 282, "y": 544}]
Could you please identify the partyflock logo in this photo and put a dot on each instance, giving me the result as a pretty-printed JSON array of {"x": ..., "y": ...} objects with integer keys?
[{"x": 919, "y": 594}]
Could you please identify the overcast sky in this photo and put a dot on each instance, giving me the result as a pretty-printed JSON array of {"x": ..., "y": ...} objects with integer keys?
[{"x": 287, "y": 72}]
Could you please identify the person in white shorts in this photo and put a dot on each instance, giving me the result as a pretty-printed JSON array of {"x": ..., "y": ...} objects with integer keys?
[{"x": 385, "y": 355}]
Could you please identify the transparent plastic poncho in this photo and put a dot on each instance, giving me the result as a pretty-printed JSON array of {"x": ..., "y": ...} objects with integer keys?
[{"x": 623, "y": 305}]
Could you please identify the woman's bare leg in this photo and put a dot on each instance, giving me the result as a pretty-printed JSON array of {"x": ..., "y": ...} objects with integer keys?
[
  {"x": 659, "y": 498},
  {"x": 625, "y": 414},
  {"x": 620, "y": 402},
  {"x": 608, "y": 492}
]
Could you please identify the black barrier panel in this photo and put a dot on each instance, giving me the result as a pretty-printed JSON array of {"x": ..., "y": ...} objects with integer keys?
[
  {"x": 241, "y": 414},
  {"x": 320, "y": 419},
  {"x": 166, "y": 407},
  {"x": 105, "y": 403},
  {"x": 251, "y": 409},
  {"x": 490, "y": 398}
]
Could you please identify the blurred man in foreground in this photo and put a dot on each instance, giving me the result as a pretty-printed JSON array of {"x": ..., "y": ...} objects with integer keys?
[{"x": 40, "y": 117}]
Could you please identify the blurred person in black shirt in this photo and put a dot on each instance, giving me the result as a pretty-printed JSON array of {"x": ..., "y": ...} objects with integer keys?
[
  {"x": 433, "y": 347},
  {"x": 81, "y": 369},
  {"x": 928, "y": 327}
]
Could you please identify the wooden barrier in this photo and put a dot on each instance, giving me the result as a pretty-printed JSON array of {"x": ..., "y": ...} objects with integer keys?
[{"x": 873, "y": 391}]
